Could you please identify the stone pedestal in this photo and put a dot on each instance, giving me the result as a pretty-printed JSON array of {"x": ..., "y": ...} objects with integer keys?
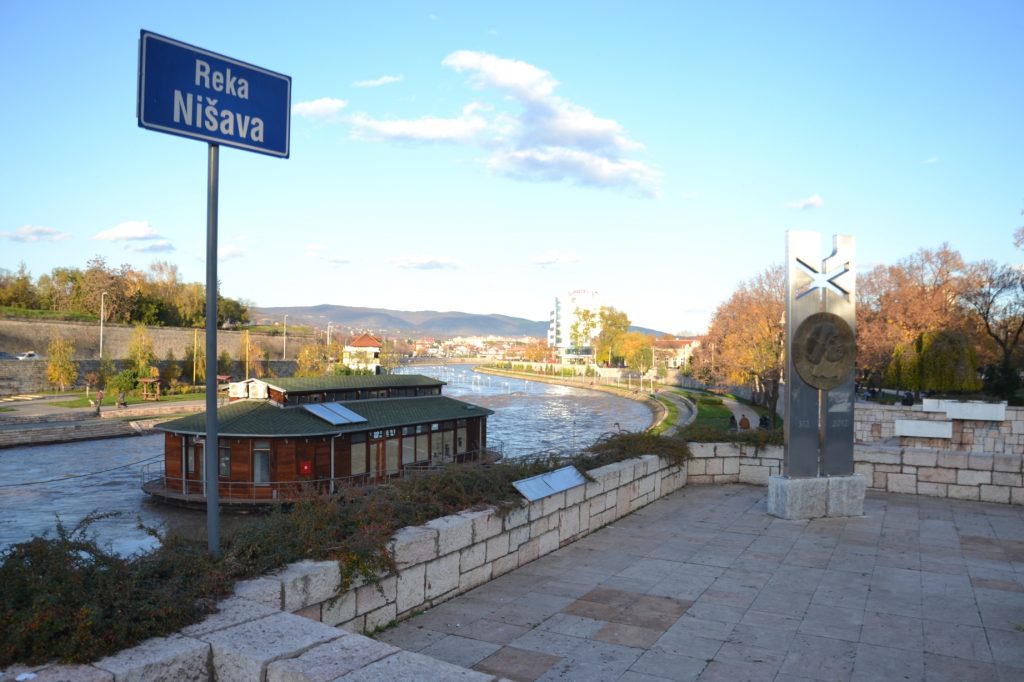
[{"x": 811, "y": 498}]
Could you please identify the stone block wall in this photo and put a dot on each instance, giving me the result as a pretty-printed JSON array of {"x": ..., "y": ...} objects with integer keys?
[
  {"x": 875, "y": 424},
  {"x": 982, "y": 476},
  {"x": 986, "y": 477},
  {"x": 451, "y": 555},
  {"x": 294, "y": 626}
]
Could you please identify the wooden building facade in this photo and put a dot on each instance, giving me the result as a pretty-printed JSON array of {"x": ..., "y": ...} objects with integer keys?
[{"x": 310, "y": 434}]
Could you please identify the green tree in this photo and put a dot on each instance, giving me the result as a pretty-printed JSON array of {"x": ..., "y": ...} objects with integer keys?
[
  {"x": 106, "y": 371},
  {"x": 942, "y": 361},
  {"x": 195, "y": 363},
  {"x": 390, "y": 357},
  {"x": 613, "y": 326},
  {"x": 171, "y": 372},
  {"x": 61, "y": 368},
  {"x": 140, "y": 351},
  {"x": 225, "y": 364}
]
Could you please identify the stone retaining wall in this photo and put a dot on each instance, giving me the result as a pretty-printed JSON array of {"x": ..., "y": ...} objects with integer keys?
[
  {"x": 877, "y": 424},
  {"x": 986, "y": 477},
  {"x": 294, "y": 626},
  {"x": 28, "y": 376}
]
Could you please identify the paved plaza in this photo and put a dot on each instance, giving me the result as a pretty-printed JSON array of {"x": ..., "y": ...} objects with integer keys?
[{"x": 703, "y": 584}]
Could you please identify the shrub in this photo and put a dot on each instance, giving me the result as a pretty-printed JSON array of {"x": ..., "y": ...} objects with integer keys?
[
  {"x": 125, "y": 380},
  {"x": 65, "y": 597}
]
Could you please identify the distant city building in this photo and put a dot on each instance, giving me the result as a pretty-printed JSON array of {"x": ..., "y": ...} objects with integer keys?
[
  {"x": 363, "y": 352},
  {"x": 675, "y": 353},
  {"x": 564, "y": 316}
]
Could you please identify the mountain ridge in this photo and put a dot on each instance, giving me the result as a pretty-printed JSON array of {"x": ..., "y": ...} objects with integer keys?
[{"x": 407, "y": 322}]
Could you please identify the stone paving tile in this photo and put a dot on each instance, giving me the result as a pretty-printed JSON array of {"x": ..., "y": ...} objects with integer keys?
[
  {"x": 461, "y": 651},
  {"x": 628, "y": 635},
  {"x": 946, "y": 669},
  {"x": 832, "y": 621},
  {"x": 957, "y": 641},
  {"x": 820, "y": 658},
  {"x": 1008, "y": 648},
  {"x": 918, "y": 588},
  {"x": 517, "y": 664},
  {"x": 886, "y": 629},
  {"x": 874, "y": 663},
  {"x": 664, "y": 666}
]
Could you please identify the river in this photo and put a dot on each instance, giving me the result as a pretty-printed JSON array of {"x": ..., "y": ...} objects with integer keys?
[{"x": 71, "y": 480}]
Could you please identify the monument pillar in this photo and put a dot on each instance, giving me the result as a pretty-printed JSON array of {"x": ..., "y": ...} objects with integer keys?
[{"x": 817, "y": 469}]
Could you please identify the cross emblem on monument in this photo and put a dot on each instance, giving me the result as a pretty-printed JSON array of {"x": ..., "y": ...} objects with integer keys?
[{"x": 823, "y": 280}]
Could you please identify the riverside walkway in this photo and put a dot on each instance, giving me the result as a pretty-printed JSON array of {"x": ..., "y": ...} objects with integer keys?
[{"x": 704, "y": 585}]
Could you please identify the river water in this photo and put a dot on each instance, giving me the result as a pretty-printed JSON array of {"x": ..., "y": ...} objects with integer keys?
[{"x": 71, "y": 480}]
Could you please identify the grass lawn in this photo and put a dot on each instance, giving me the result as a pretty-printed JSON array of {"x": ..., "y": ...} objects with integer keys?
[{"x": 111, "y": 400}]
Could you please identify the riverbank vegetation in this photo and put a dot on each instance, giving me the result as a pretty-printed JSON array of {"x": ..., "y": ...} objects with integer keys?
[
  {"x": 64, "y": 596},
  {"x": 155, "y": 296}
]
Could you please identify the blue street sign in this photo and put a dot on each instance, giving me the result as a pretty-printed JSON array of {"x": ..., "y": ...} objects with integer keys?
[{"x": 188, "y": 91}]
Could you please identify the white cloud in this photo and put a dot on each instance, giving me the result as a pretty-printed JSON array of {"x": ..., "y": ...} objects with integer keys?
[
  {"x": 157, "y": 246},
  {"x": 426, "y": 129},
  {"x": 35, "y": 233},
  {"x": 931, "y": 159},
  {"x": 813, "y": 201},
  {"x": 559, "y": 163},
  {"x": 229, "y": 252},
  {"x": 377, "y": 82},
  {"x": 425, "y": 263},
  {"x": 324, "y": 109},
  {"x": 337, "y": 260},
  {"x": 554, "y": 257},
  {"x": 517, "y": 77},
  {"x": 130, "y": 230},
  {"x": 313, "y": 249},
  {"x": 545, "y": 137}
]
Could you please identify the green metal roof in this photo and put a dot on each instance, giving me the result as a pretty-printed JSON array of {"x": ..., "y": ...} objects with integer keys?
[
  {"x": 351, "y": 382},
  {"x": 254, "y": 418}
]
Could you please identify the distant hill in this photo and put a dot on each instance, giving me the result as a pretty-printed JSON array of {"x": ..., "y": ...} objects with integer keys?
[{"x": 406, "y": 322}]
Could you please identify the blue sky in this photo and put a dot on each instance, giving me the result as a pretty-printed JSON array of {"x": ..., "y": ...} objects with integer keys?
[{"x": 487, "y": 157}]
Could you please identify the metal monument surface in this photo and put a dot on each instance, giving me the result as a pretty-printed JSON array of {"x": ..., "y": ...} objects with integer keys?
[{"x": 821, "y": 346}]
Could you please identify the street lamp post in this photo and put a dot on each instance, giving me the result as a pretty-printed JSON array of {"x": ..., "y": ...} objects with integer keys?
[
  {"x": 284, "y": 349},
  {"x": 103, "y": 297}
]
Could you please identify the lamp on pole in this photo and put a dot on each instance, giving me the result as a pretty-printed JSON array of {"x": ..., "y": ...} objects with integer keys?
[
  {"x": 284, "y": 350},
  {"x": 103, "y": 297}
]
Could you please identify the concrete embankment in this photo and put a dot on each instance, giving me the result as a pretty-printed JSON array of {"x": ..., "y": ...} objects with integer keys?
[
  {"x": 658, "y": 411},
  {"x": 74, "y": 425}
]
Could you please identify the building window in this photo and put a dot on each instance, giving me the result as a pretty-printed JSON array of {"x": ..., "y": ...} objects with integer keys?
[
  {"x": 224, "y": 460},
  {"x": 261, "y": 462}
]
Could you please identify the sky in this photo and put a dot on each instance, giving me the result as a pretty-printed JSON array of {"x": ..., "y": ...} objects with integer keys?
[{"x": 488, "y": 157}]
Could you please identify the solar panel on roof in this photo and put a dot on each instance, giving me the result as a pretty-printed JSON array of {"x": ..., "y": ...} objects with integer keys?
[
  {"x": 342, "y": 411},
  {"x": 319, "y": 410}
]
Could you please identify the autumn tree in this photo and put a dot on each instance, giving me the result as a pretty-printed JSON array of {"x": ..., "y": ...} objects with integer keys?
[
  {"x": 61, "y": 368},
  {"x": 996, "y": 298},
  {"x": 17, "y": 289},
  {"x": 897, "y": 303},
  {"x": 638, "y": 349},
  {"x": 536, "y": 351},
  {"x": 311, "y": 360},
  {"x": 254, "y": 355},
  {"x": 613, "y": 325},
  {"x": 581, "y": 333},
  {"x": 745, "y": 339},
  {"x": 140, "y": 351},
  {"x": 390, "y": 355}
]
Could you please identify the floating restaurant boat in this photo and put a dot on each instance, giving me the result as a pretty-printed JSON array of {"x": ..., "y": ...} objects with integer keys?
[{"x": 281, "y": 438}]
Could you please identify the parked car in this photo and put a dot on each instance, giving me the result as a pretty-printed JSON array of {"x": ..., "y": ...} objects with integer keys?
[{"x": 27, "y": 355}]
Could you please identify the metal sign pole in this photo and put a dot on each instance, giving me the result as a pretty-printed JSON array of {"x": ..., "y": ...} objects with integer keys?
[{"x": 210, "y": 450}]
